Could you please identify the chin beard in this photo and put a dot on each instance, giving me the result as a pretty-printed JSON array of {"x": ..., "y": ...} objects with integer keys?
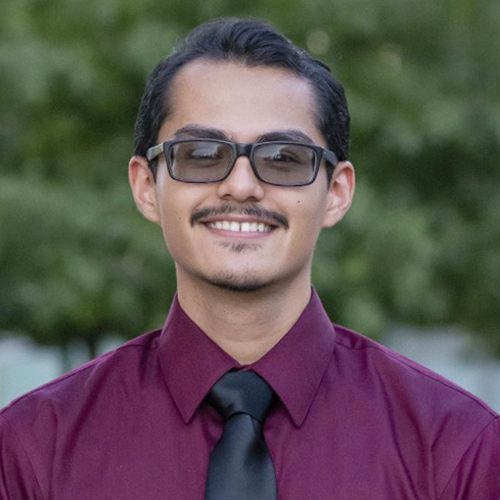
[{"x": 234, "y": 283}]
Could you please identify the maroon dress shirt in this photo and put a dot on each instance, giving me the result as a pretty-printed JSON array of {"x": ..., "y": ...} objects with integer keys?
[{"x": 354, "y": 421}]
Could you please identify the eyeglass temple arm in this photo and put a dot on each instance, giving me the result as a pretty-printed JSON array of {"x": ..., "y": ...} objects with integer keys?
[
  {"x": 154, "y": 151},
  {"x": 330, "y": 157}
]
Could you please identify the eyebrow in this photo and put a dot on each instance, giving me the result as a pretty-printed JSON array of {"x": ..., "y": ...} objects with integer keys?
[
  {"x": 201, "y": 132},
  {"x": 285, "y": 135}
]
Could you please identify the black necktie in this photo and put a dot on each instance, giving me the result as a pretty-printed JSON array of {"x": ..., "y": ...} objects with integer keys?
[{"x": 240, "y": 466}]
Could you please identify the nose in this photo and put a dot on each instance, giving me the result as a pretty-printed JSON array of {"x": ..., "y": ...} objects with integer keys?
[{"x": 241, "y": 185}]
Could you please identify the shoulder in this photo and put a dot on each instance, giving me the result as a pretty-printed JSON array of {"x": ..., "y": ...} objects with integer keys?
[
  {"x": 99, "y": 376},
  {"x": 403, "y": 375},
  {"x": 426, "y": 415},
  {"x": 39, "y": 430}
]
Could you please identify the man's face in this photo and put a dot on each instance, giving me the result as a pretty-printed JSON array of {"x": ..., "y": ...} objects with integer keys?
[{"x": 240, "y": 233}]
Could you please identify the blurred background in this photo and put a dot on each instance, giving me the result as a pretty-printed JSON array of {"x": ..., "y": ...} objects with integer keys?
[{"x": 416, "y": 263}]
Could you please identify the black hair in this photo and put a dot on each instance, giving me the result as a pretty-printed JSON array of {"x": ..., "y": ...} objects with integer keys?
[{"x": 252, "y": 43}]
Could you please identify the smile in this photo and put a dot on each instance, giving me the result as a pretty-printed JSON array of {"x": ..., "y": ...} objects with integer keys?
[{"x": 240, "y": 227}]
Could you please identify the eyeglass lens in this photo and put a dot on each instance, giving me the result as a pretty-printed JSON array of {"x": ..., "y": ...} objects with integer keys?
[{"x": 210, "y": 161}]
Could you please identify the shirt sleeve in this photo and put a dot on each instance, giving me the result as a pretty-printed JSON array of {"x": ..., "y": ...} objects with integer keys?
[
  {"x": 478, "y": 473},
  {"x": 17, "y": 478}
]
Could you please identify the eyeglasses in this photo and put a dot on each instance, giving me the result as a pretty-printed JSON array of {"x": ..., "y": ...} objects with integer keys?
[{"x": 284, "y": 163}]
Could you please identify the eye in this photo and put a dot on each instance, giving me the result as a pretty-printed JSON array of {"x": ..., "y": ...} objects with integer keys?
[
  {"x": 203, "y": 153},
  {"x": 279, "y": 154},
  {"x": 282, "y": 158},
  {"x": 200, "y": 153},
  {"x": 285, "y": 155}
]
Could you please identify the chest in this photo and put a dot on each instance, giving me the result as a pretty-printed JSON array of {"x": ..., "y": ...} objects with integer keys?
[{"x": 155, "y": 460}]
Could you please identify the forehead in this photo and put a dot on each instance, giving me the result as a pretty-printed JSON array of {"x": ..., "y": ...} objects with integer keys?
[{"x": 242, "y": 101}]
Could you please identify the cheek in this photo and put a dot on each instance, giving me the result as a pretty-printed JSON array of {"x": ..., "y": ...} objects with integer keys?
[
  {"x": 305, "y": 226},
  {"x": 171, "y": 219},
  {"x": 177, "y": 202},
  {"x": 172, "y": 199},
  {"x": 310, "y": 212}
]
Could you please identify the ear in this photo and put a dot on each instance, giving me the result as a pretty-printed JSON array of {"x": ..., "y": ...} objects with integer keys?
[
  {"x": 340, "y": 193},
  {"x": 143, "y": 188}
]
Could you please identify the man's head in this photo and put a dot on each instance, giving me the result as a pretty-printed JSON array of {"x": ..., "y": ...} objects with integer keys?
[
  {"x": 254, "y": 226},
  {"x": 253, "y": 44}
]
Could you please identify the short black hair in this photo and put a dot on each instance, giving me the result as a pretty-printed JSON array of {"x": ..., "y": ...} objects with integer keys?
[{"x": 252, "y": 43}]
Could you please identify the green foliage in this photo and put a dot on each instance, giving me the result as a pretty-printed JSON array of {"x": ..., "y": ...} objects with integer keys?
[
  {"x": 419, "y": 245},
  {"x": 76, "y": 264}
]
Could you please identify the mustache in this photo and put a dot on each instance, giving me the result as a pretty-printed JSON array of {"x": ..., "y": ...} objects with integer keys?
[{"x": 250, "y": 210}]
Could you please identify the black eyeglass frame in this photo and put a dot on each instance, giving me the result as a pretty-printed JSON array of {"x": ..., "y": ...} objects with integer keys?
[{"x": 242, "y": 149}]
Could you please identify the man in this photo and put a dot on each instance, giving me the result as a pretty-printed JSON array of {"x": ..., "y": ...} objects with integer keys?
[{"x": 241, "y": 158}]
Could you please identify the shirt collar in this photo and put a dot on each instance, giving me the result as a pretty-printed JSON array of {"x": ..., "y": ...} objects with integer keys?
[
  {"x": 295, "y": 366},
  {"x": 191, "y": 362}
]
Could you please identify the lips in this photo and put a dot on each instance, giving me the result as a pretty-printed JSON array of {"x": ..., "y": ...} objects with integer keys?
[
  {"x": 241, "y": 216},
  {"x": 240, "y": 227}
]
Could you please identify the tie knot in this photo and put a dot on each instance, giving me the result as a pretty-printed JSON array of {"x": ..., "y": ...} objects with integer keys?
[{"x": 241, "y": 392}]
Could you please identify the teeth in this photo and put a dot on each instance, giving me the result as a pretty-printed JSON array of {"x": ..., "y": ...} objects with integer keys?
[{"x": 243, "y": 227}]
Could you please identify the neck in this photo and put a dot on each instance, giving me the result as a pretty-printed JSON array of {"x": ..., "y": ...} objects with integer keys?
[{"x": 246, "y": 325}]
